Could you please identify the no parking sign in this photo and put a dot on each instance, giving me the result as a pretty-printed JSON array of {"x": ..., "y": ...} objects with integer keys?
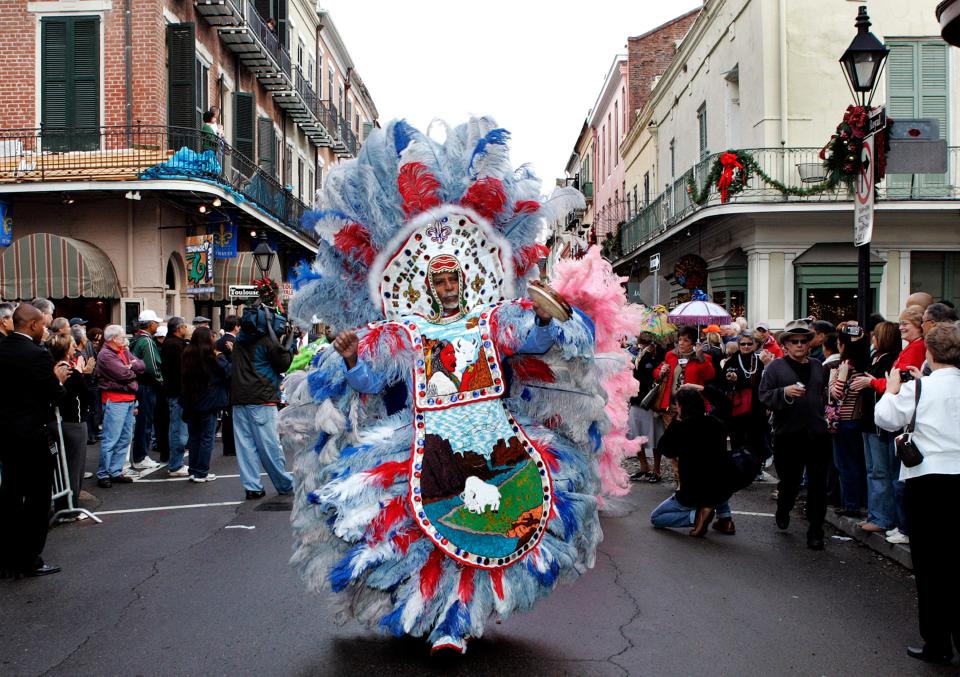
[{"x": 863, "y": 200}]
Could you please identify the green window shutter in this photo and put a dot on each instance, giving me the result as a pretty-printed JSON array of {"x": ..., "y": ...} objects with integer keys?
[
  {"x": 902, "y": 80},
  {"x": 243, "y": 125},
  {"x": 933, "y": 88},
  {"x": 70, "y": 82},
  {"x": 181, "y": 85},
  {"x": 266, "y": 145}
]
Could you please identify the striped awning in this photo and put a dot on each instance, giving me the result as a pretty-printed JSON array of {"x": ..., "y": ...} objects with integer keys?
[
  {"x": 55, "y": 267},
  {"x": 239, "y": 270}
]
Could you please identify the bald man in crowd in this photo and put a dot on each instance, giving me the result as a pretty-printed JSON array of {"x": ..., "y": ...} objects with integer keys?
[
  {"x": 26, "y": 410},
  {"x": 919, "y": 298}
]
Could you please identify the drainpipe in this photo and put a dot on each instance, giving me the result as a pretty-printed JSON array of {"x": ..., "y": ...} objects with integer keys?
[
  {"x": 784, "y": 122},
  {"x": 128, "y": 66},
  {"x": 130, "y": 248}
]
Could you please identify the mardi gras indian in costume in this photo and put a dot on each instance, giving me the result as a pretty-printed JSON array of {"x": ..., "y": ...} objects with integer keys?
[{"x": 479, "y": 493}]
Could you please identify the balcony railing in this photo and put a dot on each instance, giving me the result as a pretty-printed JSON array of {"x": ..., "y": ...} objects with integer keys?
[
  {"x": 785, "y": 165},
  {"x": 268, "y": 36},
  {"x": 142, "y": 152}
]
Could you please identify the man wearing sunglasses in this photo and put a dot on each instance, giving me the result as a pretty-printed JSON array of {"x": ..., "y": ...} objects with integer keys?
[{"x": 793, "y": 387}]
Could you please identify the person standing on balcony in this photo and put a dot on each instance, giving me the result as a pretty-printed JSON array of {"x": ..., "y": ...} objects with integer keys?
[{"x": 144, "y": 347}]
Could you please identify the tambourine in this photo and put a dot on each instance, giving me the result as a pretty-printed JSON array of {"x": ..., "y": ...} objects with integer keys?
[{"x": 550, "y": 300}]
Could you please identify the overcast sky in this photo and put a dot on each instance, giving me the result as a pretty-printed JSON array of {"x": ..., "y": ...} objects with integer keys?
[{"x": 535, "y": 66}]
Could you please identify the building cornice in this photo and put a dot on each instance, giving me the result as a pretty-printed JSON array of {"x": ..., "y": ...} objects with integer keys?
[{"x": 608, "y": 90}]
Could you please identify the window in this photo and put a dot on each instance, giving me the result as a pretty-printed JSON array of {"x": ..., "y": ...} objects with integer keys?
[
  {"x": 70, "y": 81},
  {"x": 300, "y": 185},
  {"x": 623, "y": 98},
  {"x": 288, "y": 166},
  {"x": 646, "y": 189},
  {"x": 267, "y": 143},
  {"x": 182, "y": 102},
  {"x": 702, "y": 125},
  {"x": 311, "y": 188},
  {"x": 202, "y": 97},
  {"x": 330, "y": 74},
  {"x": 243, "y": 122},
  {"x": 340, "y": 100},
  {"x": 300, "y": 51},
  {"x": 616, "y": 132},
  {"x": 673, "y": 158},
  {"x": 311, "y": 72}
]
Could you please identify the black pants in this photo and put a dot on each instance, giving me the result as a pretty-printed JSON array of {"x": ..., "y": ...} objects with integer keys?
[
  {"x": 226, "y": 432},
  {"x": 25, "y": 500},
  {"x": 791, "y": 454},
  {"x": 933, "y": 536},
  {"x": 161, "y": 426}
]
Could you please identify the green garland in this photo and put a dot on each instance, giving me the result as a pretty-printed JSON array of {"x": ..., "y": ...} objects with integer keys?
[{"x": 751, "y": 168}]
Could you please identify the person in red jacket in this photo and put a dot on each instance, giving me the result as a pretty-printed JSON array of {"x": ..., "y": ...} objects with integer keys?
[
  {"x": 766, "y": 340},
  {"x": 913, "y": 355},
  {"x": 685, "y": 364}
]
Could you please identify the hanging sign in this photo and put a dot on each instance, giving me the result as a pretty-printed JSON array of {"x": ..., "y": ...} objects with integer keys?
[
  {"x": 863, "y": 200},
  {"x": 6, "y": 225},
  {"x": 199, "y": 258},
  {"x": 224, "y": 240}
]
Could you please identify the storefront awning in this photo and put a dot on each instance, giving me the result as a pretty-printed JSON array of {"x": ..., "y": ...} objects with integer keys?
[
  {"x": 55, "y": 267},
  {"x": 239, "y": 270},
  {"x": 833, "y": 265},
  {"x": 832, "y": 253}
]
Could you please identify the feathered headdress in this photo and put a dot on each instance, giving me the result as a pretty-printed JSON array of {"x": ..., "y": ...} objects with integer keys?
[{"x": 400, "y": 175}]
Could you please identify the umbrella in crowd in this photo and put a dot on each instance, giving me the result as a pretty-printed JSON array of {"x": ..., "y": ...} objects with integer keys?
[
  {"x": 655, "y": 321},
  {"x": 699, "y": 311}
]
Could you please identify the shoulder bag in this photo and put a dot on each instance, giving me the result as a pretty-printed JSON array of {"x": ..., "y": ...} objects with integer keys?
[{"x": 907, "y": 450}]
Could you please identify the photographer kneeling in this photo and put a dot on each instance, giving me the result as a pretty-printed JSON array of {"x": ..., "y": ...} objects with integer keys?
[
  {"x": 699, "y": 443},
  {"x": 931, "y": 406}
]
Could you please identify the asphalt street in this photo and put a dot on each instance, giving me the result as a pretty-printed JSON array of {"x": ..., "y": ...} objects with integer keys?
[{"x": 207, "y": 590}]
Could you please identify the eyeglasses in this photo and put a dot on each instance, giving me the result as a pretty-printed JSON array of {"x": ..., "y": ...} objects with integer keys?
[
  {"x": 746, "y": 345},
  {"x": 799, "y": 342}
]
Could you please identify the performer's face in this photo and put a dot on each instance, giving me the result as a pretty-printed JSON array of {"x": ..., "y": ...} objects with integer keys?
[{"x": 447, "y": 286}]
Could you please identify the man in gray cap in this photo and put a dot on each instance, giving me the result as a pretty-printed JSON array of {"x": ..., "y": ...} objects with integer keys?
[
  {"x": 793, "y": 387},
  {"x": 201, "y": 321}
]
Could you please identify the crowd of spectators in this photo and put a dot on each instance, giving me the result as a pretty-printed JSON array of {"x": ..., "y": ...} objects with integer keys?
[
  {"x": 165, "y": 391},
  {"x": 830, "y": 404}
]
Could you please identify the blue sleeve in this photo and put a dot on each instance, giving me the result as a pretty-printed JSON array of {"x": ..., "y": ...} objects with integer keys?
[
  {"x": 540, "y": 338},
  {"x": 363, "y": 380}
]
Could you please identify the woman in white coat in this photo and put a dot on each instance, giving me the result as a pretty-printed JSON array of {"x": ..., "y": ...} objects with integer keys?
[{"x": 932, "y": 486}]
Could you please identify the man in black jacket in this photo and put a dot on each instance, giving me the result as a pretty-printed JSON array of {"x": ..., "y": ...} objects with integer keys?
[
  {"x": 171, "y": 353},
  {"x": 793, "y": 387},
  {"x": 25, "y": 413}
]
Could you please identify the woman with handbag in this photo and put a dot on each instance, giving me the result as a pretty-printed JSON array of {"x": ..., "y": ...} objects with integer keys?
[
  {"x": 205, "y": 383},
  {"x": 685, "y": 364},
  {"x": 931, "y": 471},
  {"x": 642, "y": 421},
  {"x": 748, "y": 416},
  {"x": 843, "y": 419}
]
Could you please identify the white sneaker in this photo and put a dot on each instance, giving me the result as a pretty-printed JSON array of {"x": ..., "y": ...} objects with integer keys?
[
  {"x": 899, "y": 538},
  {"x": 182, "y": 471},
  {"x": 892, "y": 532},
  {"x": 146, "y": 464},
  {"x": 209, "y": 478}
]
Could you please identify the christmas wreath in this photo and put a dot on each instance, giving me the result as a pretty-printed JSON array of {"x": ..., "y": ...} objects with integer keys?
[
  {"x": 690, "y": 272},
  {"x": 842, "y": 154},
  {"x": 269, "y": 293}
]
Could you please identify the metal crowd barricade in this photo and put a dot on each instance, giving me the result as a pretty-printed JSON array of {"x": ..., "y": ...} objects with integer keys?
[{"x": 61, "y": 482}]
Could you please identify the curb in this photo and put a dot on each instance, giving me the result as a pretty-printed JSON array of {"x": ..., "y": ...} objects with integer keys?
[{"x": 875, "y": 541}]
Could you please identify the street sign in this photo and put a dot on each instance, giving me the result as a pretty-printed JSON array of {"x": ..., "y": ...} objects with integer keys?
[
  {"x": 863, "y": 200},
  {"x": 243, "y": 291},
  {"x": 916, "y": 147},
  {"x": 286, "y": 290},
  {"x": 878, "y": 119},
  {"x": 655, "y": 262}
]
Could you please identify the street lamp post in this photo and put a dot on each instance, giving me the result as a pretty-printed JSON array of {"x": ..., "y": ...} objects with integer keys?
[
  {"x": 862, "y": 64},
  {"x": 263, "y": 255}
]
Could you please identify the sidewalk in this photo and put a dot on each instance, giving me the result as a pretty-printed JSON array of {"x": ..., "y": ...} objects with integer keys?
[{"x": 874, "y": 541}]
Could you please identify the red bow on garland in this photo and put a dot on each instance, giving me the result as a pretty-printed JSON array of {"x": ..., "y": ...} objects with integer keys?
[{"x": 729, "y": 162}]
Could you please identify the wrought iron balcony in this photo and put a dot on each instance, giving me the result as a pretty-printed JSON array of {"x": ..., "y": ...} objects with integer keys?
[
  {"x": 143, "y": 152},
  {"x": 790, "y": 166}
]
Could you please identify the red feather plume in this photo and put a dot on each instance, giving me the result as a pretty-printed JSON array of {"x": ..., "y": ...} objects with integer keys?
[
  {"x": 525, "y": 206},
  {"x": 529, "y": 368},
  {"x": 546, "y": 453},
  {"x": 527, "y": 257},
  {"x": 418, "y": 187},
  {"x": 465, "y": 587},
  {"x": 393, "y": 512},
  {"x": 389, "y": 336},
  {"x": 486, "y": 197},
  {"x": 404, "y": 538},
  {"x": 354, "y": 240},
  {"x": 430, "y": 573},
  {"x": 496, "y": 580},
  {"x": 386, "y": 474}
]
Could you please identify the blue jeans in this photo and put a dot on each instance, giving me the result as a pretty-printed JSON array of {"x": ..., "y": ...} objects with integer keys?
[
  {"x": 117, "y": 430},
  {"x": 143, "y": 430},
  {"x": 257, "y": 440},
  {"x": 880, "y": 458},
  {"x": 673, "y": 514},
  {"x": 202, "y": 430},
  {"x": 848, "y": 457},
  {"x": 178, "y": 434}
]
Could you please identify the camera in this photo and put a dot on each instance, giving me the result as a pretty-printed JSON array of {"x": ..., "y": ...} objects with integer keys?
[
  {"x": 905, "y": 375},
  {"x": 853, "y": 330}
]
